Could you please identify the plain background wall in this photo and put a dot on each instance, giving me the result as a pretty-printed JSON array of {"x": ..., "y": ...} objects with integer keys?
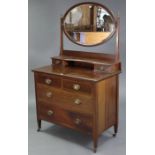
[{"x": 44, "y": 35}]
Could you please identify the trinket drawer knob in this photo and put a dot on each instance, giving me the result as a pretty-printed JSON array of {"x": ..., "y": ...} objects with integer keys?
[
  {"x": 76, "y": 87},
  {"x": 50, "y": 112},
  {"x": 77, "y": 121},
  {"x": 77, "y": 101},
  {"x": 48, "y": 81},
  {"x": 49, "y": 94}
]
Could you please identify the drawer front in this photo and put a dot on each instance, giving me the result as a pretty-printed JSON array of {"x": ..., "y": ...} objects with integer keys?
[
  {"x": 69, "y": 119},
  {"x": 70, "y": 101},
  {"x": 77, "y": 86},
  {"x": 50, "y": 80}
]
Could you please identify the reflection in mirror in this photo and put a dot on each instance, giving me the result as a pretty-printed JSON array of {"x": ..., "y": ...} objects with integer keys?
[{"x": 89, "y": 24}]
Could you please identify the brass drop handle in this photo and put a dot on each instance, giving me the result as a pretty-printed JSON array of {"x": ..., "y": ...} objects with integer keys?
[
  {"x": 77, "y": 101},
  {"x": 50, "y": 112},
  {"x": 49, "y": 94},
  {"x": 76, "y": 86},
  {"x": 101, "y": 68},
  {"x": 77, "y": 121},
  {"x": 57, "y": 62},
  {"x": 48, "y": 81}
]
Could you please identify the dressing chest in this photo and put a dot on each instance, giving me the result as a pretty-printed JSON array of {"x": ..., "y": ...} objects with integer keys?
[{"x": 79, "y": 90}]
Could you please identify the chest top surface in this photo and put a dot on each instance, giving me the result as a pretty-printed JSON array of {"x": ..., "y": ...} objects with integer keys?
[{"x": 78, "y": 73}]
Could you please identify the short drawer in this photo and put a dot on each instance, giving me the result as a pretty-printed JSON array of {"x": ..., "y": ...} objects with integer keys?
[
  {"x": 63, "y": 117},
  {"x": 50, "y": 80},
  {"x": 67, "y": 100},
  {"x": 77, "y": 86}
]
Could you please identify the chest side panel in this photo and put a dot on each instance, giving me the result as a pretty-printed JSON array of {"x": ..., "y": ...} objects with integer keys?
[
  {"x": 101, "y": 106},
  {"x": 111, "y": 101},
  {"x": 106, "y": 103}
]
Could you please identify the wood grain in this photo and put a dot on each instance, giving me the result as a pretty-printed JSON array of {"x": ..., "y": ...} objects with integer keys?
[
  {"x": 85, "y": 87},
  {"x": 101, "y": 106},
  {"x": 111, "y": 101},
  {"x": 97, "y": 75},
  {"x": 55, "y": 80},
  {"x": 91, "y": 55},
  {"x": 64, "y": 117},
  {"x": 75, "y": 73},
  {"x": 65, "y": 100}
]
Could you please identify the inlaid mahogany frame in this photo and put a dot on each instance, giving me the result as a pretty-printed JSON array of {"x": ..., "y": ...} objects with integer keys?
[
  {"x": 91, "y": 3},
  {"x": 114, "y": 33}
]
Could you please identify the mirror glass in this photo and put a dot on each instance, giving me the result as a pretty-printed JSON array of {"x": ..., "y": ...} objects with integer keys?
[{"x": 89, "y": 24}]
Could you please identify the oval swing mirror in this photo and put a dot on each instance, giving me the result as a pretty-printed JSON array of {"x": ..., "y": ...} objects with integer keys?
[{"x": 89, "y": 24}]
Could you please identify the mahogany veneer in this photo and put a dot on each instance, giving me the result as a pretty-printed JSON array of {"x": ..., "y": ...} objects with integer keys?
[
  {"x": 79, "y": 90},
  {"x": 78, "y": 96}
]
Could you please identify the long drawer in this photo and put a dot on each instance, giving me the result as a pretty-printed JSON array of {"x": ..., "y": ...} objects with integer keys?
[
  {"x": 64, "y": 99},
  {"x": 63, "y": 117}
]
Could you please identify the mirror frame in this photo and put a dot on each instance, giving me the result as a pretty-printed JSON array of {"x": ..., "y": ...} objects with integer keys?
[{"x": 94, "y": 3}]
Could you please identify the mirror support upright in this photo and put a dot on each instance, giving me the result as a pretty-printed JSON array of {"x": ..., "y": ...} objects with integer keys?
[
  {"x": 117, "y": 50},
  {"x": 61, "y": 36}
]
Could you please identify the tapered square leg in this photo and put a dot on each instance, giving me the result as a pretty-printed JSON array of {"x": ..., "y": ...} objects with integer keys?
[
  {"x": 39, "y": 125},
  {"x": 115, "y": 130},
  {"x": 95, "y": 144}
]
